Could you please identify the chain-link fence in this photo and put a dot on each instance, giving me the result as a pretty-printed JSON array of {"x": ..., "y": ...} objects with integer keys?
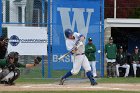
[{"x": 26, "y": 13}]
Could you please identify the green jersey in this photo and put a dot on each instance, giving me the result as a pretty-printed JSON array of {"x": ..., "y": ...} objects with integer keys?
[
  {"x": 121, "y": 58},
  {"x": 136, "y": 57},
  {"x": 4, "y": 63},
  {"x": 111, "y": 51},
  {"x": 90, "y": 50}
]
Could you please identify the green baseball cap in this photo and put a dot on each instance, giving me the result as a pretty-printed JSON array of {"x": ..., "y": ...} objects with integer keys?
[
  {"x": 111, "y": 38},
  {"x": 90, "y": 39},
  {"x": 120, "y": 47},
  {"x": 136, "y": 47}
]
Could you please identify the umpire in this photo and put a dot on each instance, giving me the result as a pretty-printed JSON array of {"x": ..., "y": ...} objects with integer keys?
[
  {"x": 9, "y": 71},
  {"x": 111, "y": 51}
]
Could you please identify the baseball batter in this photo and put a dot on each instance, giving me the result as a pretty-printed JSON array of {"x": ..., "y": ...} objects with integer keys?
[{"x": 74, "y": 43}]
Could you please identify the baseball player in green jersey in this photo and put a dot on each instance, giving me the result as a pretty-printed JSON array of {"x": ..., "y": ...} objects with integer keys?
[
  {"x": 9, "y": 71},
  {"x": 90, "y": 50},
  {"x": 121, "y": 61},
  {"x": 135, "y": 59},
  {"x": 111, "y": 51}
]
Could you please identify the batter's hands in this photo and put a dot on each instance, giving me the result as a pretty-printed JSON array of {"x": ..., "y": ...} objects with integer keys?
[
  {"x": 74, "y": 50},
  {"x": 82, "y": 38}
]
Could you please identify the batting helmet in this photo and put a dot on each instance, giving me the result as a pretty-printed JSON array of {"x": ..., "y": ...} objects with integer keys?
[{"x": 68, "y": 32}]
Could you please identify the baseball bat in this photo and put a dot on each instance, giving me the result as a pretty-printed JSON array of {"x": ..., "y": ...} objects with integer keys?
[
  {"x": 63, "y": 56},
  {"x": 75, "y": 46}
]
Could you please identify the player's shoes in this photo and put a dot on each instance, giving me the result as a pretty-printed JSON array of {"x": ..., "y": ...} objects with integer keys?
[
  {"x": 61, "y": 81},
  {"x": 9, "y": 84},
  {"x": 94, "y": 83},
  {"x": 2, "y": 82},
  {"x": 96, "y": 77}
]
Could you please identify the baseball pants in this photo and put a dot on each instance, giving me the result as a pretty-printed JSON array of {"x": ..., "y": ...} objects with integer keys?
[
  {"x": 123, "y": 66},
  {"x": 93, "y": 67},
  {"x": 78, "y": 61},
  {"x": 10, "y": 76},
  {"x": 135, "y": 68}
]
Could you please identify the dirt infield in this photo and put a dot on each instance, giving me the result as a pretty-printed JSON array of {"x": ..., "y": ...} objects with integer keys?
[{"x": 70, "y": 87}]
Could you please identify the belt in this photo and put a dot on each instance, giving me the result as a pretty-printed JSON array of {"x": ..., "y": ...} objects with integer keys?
[{"x": 80, "y": 54}]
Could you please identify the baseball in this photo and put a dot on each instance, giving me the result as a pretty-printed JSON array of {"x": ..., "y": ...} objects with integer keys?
[{"x": 99, "y": 51}]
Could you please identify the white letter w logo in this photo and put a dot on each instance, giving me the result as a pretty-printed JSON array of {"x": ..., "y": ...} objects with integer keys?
[{"x": 78, "y": 19}]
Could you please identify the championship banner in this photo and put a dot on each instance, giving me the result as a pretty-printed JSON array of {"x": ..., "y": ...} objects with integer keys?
[
  {"x": 27, "y": 40},
  {"x": 81, "y": 16}
]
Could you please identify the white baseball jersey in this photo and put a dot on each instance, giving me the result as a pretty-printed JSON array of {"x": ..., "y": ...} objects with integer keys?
[{"x": 79, "y": 59}]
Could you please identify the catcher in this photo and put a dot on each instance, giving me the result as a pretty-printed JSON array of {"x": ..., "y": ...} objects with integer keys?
[{"x": 9, "y": 71}]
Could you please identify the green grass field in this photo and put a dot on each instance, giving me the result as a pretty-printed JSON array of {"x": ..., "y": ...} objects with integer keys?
[
  {"x": 34, "y": 76},
  {"x": 99, "y": 80},
  {"x": 53, "y": 80},
  {"x": 119, "y": 80}
]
